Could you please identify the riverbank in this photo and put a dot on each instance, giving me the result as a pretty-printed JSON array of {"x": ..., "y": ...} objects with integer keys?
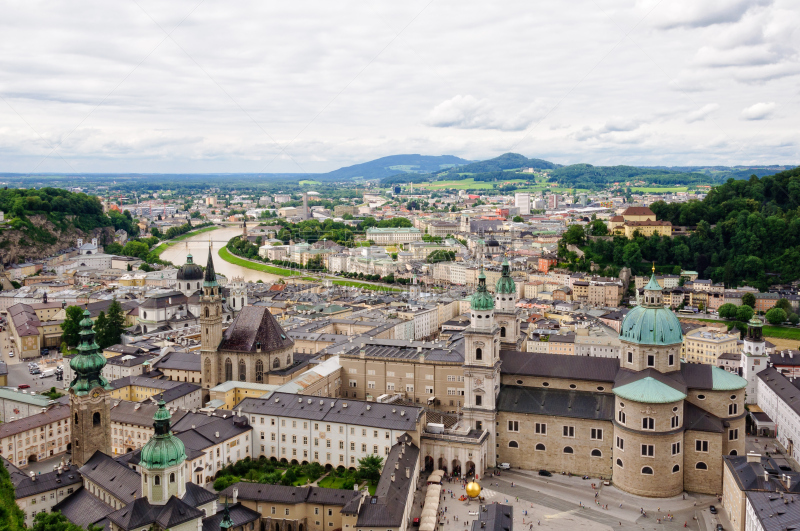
[{"x": 163, "y": 246}]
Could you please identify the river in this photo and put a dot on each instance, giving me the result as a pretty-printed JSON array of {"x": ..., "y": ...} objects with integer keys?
[{"x": 197, "y": 246}]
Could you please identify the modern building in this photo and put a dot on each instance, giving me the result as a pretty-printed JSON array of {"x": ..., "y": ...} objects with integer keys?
[{"x": 387, "y": 236}]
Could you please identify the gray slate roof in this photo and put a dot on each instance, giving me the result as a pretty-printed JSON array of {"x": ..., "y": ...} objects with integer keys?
[
  {"x": 82, "y": 508},
  {"x": 494, "y": 517},
  {"x": 556, "y": 402},
  {"x": 240, "y": 515},
  {"x": 47, "y": 481},
  {"x": 559, "y": 366},
  {"x": 126, "y": 484},
  {"x": 290, "y": 495},
  {"x": 254, "y": 325},
  {"x": 385, "y": 509},
  {"x": 782, "y": 386}
]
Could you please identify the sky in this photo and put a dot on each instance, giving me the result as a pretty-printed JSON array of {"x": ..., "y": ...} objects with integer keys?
[{"x": 205, "y": 86}]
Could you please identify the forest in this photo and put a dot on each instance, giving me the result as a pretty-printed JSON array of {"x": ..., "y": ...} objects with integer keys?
[{"x": 744, "y": 231}]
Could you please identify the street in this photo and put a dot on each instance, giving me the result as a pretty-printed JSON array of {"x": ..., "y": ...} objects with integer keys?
[{"x": 19, "y": 374}]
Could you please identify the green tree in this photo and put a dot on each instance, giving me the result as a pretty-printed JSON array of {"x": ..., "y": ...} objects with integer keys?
[
  {"x": 517, "y": 219},
  {"x": 744, "y": 313},
  {"x": 71, "y": 325},
  {"x": 57, "y": 522},
  {"x": 575, "y": 235},
  {"x": 370, "y": 467},
  {"x": 223, "y": 482},
  {"x": 775, "y": 316},
  {"x": 632, "y": 255},
  {"x": 748, "y": 299},
  {"x": 101, "y": 331},
  {"x": 728, "y": 311},
  {"x": 115, "y": 323},
  {"x": 794, "y": 318},
  {"x": 784, "y": 305},
  {"x": 598, "y": 228}
]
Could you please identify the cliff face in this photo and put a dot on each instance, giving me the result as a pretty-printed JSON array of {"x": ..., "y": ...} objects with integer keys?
[{"x": 45, "y": 239}]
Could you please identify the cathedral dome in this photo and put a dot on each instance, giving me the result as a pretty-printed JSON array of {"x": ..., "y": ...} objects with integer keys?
[
  {"x": 651, "y": 323},
  {"x": 190, "y": 270},
  {"x": 505, "y": 284},
  {"x": 163, "y": 450},
  {"x": 482, "y": 300}
]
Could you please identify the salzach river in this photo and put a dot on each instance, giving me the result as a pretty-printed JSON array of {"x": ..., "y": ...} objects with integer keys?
[{"x": 197, "y": 246}]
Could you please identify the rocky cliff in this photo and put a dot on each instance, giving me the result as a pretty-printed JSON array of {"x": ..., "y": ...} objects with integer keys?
[{"x": 44, "y": 239}]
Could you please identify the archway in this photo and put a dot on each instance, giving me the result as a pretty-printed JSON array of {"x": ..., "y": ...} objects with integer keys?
[
  {"x": 129, "y": 450},
  {"x": 428, "y": 463},
  {"x": 32, "y": 459},
  {"x": 69, "y": 447},
  {"x": 470, "y": 468},
  {"x": 456, "y": 468},
  {"x": 299, "y": 527},
  {"x": 442, "y": 464}
]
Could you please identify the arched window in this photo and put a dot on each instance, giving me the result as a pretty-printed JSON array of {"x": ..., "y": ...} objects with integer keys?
[
  {"x": 172, "y": 477},
  {"x": 502, "y": 331},
  {"x": 207, "y": 369},
  {"x": 288, "y": 359},
  {"x": 701, "y": 466},
  {"x": 676, "y": 468},
  {"x": 242, "y": 371},
  {"x": 619, "y": 463},
  {"x": 156, "y": 480},
  {"x": 95, "y": 419},
  {"x": 568, "y": 450},
  {"x": 597, "y": 453},
  {"x": 228, "y": 369},
  {"x": 241, "y": 305},
  {"x": 144, "y": 315},
  {"x": 540, "y": 447},
  {"x": 647, "y": 470},
  {"x": 259, "y": 371},
  {"x": 207, "y": 312},
  {"x": 76, "y": 419},
  {"x": 276, "y": 363},
  {"x": 513, "y": 444},
  {"x": 478, "y": 354},
  {"x": 198, "y": 285},
  {"x": 734, "y": 452}
]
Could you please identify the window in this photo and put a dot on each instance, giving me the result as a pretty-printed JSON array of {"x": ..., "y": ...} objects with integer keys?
[
  {"x": 676, "y": 448},
  {"x": 648, "y": 423},
  {"x": 513, "y": 444},
  {"x": 541, "y": 428},
  {"x": 597, "y": 453},
  {"x": 648, "y": 450},
  {"x": 675, "y": 421},
  {"x": 513, "y": 425},
  {"x": 172, "y": 477},
  {"x": 733, "y": 409},
  {"x": 671, "y": 359},
  {"x": 621, "y": 417},
  {"x": 647, "y": 470},
  {"x": 478, "y": 400},
  {"x": 156, "y": 480},
  {"x": 630, "y": 360},
  {"x": 597, "y": 434},
  {"x": 651, "y": 360},
  {"x": 540, "y": 447},
  {"x": 478, "y": 354},
  {"x": 228, "y": 369},
  {"x": 701, "y": 466},
  {"x": 701, "y": 397},
  {"x": 700, "y": 446},
  {"x": 95, "y": 420},
  {"x": 619, "y": 463},
  {"x": 242, "y": 371},
  {"x": 733, "y": 434},
  {"x": 259, "y": 371},
  {"x": 568, "y": 450},
  {"x": 568, "y": 431},
  {"x": 286, "y": 512},
  {"x": 545, "y": 384}
]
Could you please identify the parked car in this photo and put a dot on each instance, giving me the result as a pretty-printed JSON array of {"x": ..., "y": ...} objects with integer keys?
[
  {"x": 545, "y": 473},
  {"x": 23, "y": 386},
  {"x": 712, "y": 509},
  {"x": 504, "y": 466},
  {"x": 36, "y": 371},
  {"x": 10, "y": 354}
]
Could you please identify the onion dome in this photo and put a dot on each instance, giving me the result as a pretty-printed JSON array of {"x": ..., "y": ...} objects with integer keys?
[
  {"x": 190, "y": 270},
  {"x": 88, "y": 364},
  {"x": 227, "y": 521},
  {"x": 651, "y": 323},
  {"x": 505, "y": 284},
  {"x": 163, "y": 450},
  {"x": 481, "y": 299}
]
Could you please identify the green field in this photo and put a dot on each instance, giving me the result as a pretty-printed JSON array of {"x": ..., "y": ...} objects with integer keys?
[
  {"x": 163, "y": 246},
  {"x": 465, "y": 184},
  {"x": 235, "y": 260},
  {"x": 303, "y": 183},
  {"x": 352, "y": 284},
  {"x": 659, "y": 189}
]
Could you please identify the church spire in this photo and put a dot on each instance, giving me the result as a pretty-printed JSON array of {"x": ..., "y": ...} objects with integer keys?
[{"x": 210, "y": 279}]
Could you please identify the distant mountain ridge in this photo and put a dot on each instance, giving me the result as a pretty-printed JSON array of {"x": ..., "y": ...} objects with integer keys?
[{"x": 393, "y": 165}]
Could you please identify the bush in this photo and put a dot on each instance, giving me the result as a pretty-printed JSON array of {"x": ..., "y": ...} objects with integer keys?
[{"x": 223, "y": 482}]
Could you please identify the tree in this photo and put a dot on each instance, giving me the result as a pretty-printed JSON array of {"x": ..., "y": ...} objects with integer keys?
[
  {"x": 115, "y": 323},
  {"x": 748, "y": 299},
  {"x": 370, "y": 467},
  {"x": 728, "y": 311},
  {"x": 223, "y": 482},
  {"x": 632, "y": 255},
  {"x": 744, "y": 313},
  {"x": 101, "y": 331},
  {"x": 56, "y": 521},
  {"x": 517, "y": 219},
  {"x": 71, "y": 325},
  {"x": 775, "y": 316},
  {"x": 794, "y": 318},
  {"x": 575, "y": 235},
  {"x": 784, "y": 305},
  {"x": 598, "y": 228}
]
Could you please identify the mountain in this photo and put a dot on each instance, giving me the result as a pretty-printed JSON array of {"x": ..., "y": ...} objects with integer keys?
[
  {"x": 392, "y": 165},
  {"x": 507, "y": 161}
]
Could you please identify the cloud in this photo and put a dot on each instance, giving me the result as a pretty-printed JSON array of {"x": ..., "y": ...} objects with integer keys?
[
  {"x": 614, "y": 125},
  {"x": 759, "y": 111},
  {"x": 701, "y": 113},
  {"x": 694, "y": 14},
  {"x": 468, "y": 112}
]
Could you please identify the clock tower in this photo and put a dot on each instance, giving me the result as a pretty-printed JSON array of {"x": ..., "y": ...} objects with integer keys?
[
  {"x": 210, "y": 327},
  {"x": 482, "y": 366},
  {"x": 89, "y": 398}
]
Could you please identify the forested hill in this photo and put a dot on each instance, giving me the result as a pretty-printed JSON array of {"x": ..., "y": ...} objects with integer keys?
[
  {"x": 746, "y": 231},
  {"x": 392, "y": 165},
  {"x": 507, "y": 161}
]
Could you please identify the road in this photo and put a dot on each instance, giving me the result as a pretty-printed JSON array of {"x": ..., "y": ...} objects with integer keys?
[{"x": 18, "y": 372}]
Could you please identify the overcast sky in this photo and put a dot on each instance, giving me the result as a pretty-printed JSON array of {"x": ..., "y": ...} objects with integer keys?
[{"x": 312, "y": 85}]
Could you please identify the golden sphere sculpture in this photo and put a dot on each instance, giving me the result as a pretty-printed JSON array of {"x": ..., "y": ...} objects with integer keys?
[{"x": 473, "y": 489}]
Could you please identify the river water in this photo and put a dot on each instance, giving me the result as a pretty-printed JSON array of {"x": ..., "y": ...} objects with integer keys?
[{"x": 197, "y": 246}]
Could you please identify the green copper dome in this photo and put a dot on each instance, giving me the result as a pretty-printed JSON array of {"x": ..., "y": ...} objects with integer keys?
[
  {"x": 505, "y": 284},
  {"x": 88, "y": 363},
  {"x": 163, "y": 449},
  {"x": 649, "y": 391},
  {"x": 651, "y": 323},
  {"x": 722, "y": 380},
  {"x": 482, "y": 299}
]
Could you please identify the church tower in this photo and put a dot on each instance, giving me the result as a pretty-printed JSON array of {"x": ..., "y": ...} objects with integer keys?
[
  {"x": 506, "y": 312},
  {"x": 482, "y": 366},
  {"x": 244, "y": 228},
  {"x": 238, "y": 298},
  {"x": 754, "y": 358},
  {"x": 89, "y": 398},
  {"x": 210, "y": 326},
  {"x": 162, "y": 461}
]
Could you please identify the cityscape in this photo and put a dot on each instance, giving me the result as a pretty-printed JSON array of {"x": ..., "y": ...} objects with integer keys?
[{"x": 572, "y": 326}]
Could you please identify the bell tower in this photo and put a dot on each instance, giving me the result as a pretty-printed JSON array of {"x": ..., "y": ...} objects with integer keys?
[
  {"x": 238, "y": 299},
  {"x": 482, "y": 366},
  {"x": 89, "y": 398},
  {"x": 210, "y": 326},
  {"x": 506, "y": 312}
]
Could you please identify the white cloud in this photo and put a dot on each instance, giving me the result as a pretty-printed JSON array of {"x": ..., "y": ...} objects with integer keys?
[
  {"x": 759, "y": 111},
  {"x": 701, "y": 113},
  {"x": 694, "y": 14},
  {"x": 468, "y": 112}
]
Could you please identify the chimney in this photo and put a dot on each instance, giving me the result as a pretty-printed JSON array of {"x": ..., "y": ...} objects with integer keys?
[
  {"x": 235, "y": 494},
  {"x": 392, "y": 477},
  {"x": 33, "y": 476},
  {"x": 258, "y": 346},
  {"x": 216, "y": 434},
  {"x": 408, "y": 472},
  {"x": 397, "y": 465},
  {"x": 753, "y": 457}
]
